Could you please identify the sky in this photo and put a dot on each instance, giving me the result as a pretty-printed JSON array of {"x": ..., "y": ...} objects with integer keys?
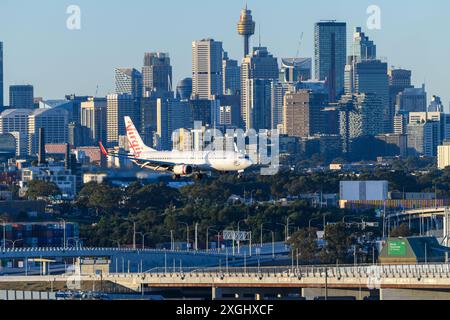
[{"x": 40, "y": 50}]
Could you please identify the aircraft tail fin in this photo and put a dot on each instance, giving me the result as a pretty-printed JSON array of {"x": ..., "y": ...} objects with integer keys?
[{"x": 135, "y": 142}]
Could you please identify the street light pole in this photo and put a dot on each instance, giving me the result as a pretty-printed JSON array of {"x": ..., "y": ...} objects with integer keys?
[{"x": 4, "y": 235}]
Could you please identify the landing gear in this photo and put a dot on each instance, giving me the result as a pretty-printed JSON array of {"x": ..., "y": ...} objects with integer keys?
[
  {"x": 176, "y": 177},
  {"x": 198, "y": 176}
]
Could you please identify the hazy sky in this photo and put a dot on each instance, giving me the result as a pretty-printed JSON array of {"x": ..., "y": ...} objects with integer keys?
[{"x": 40, "y": 50}]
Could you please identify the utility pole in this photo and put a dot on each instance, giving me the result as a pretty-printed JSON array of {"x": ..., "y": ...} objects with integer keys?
[
  {"x": 196, "y": 237},
  {"x": 134, "y": 235}
]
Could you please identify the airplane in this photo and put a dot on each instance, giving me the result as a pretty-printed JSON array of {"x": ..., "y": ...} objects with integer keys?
[{"x": 180, "y": 163}]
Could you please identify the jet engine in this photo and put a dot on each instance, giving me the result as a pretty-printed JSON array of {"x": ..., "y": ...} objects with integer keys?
[{"x": 182, "y": 170}]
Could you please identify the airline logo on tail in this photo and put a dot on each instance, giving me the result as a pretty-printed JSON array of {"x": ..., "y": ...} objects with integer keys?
[
  {"x": 135, "y": 142},
  {"x": 133, "y": 138}
]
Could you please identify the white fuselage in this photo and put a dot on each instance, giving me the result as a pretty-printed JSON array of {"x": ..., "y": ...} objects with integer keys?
[{"x": 223, "y": 161}]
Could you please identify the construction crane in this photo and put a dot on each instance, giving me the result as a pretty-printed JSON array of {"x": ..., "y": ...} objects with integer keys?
[{"x": 300, "y": 43}]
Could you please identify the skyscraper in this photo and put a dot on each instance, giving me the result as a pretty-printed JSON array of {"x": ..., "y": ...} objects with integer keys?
[
  {"x": 246, "y": 28},
  {"x": 399, "y": 80},
  {"x": 412, "y": 100},
  {"x": 171, "y": 114},
  {"x": 119, "y": 106},
  {"x": 259, "y": 65},
  {"x": 258, "y": 104},
  {"x": 128, "y": 81},
  {"x": 302, "y": 113},
  {"x": 15, "y": 122},
  {"x": 360, "y": 116},
  {"x": 21, "y": 97},
  {"x": 93, "y": 116},
  {"x": 2, "y": 104},
  {"x": 424, "y": 138},
  {"x": 55, "y": 122},
  {"x": 231, "y": 74},
  {"x": 370, "y": 76},
  {"x": 363, "y": 48},
  {"x": 436, "y": 105},
  {"x": 157, "y": 73},
  {"x": 278, "y": 91},
  {"x": 206, "y": 68},
  {"x": 330, "y": 54}
]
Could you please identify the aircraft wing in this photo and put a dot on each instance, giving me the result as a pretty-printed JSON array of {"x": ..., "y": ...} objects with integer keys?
[{"x": 156, "y": 163}]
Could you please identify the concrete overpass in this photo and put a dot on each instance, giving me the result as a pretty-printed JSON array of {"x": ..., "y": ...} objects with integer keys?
[
  {"x": 138, "y": 260},
  {"x": 425, "y": 217},
  {"x": 429, "y": 281}
]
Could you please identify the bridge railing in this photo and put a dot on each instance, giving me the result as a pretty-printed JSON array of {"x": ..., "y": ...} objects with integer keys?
[{"x": 385, "y": 271}]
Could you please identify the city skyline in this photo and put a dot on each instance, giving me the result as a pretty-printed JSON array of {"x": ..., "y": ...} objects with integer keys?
[{"x": 52, "y": 39}]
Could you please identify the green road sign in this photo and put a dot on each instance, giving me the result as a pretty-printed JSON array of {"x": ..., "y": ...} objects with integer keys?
[{"x": 397, "y": 248}]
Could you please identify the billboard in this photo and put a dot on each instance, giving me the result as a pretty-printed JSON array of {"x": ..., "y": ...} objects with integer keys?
[{"x": 397, "y": 248}]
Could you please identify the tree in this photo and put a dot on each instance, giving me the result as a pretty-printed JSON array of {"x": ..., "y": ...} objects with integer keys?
[
  {"x": 101, "y": 197},
  {"x": 338, "y": 241},
  {"x": 402, "y": 231},
  {"x": 305, "y": 242},
  {"x": 42, "y": 189}
]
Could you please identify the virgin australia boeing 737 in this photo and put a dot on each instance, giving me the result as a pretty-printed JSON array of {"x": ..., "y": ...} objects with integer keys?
[{"x": 180, "y": 163}]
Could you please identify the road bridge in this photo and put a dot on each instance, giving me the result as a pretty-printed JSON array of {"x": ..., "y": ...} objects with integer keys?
[
  {"x": 138, "y": 260},
  {"x": 407, "y": 281}
]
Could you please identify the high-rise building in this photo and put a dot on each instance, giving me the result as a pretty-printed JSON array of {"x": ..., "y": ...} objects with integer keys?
[
  {"x": 148, "y": 110},
  {"x": 330, "y": 54},
  {"x": 21, "y": 97},
  {"x": 119, "y": 106},
  {"x": 157, "y": 74},
  {"x": 440, "y": 117},
  {"x": 2, "y": 102},
  {"x": 399, "y": 80},
  {"x": 302, "y": 113},
  {"x": 128, "y": 81},
  {"x": 294, "y": 70},
  {"x": 79, "y": 136},
  {"x": 184, "y": 89},
  {"x": 64, "y": 104},
  {"x": 370, "y": 76},
  {"x": 203, "y": 111},
  {"x": 444, "y": 156},
  {"x": 259, "y": 65},
  {"x": 54, "y": 121},
  {"x": 360, "y": 116},
  {"x": 246, "y": 28},
  {"x": 93, "y": 116},
  {"x": 436, "y": 105},
  {"x": 76, "y": 106},
  {"x": 206, "y": 68},
  {"x": 258, "y": 104},
  {"x": 412, "y": 100},
  {"x": 424, "y": 138},
  {"x": 231, "y": 75},
  {"x": 171, "y": 115},
  {"x": 363, "y": 48},
  {"x": 15, "y": 122},
  {"x": 229, "y": 113},
  {"x": 278, "y": 91}
]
